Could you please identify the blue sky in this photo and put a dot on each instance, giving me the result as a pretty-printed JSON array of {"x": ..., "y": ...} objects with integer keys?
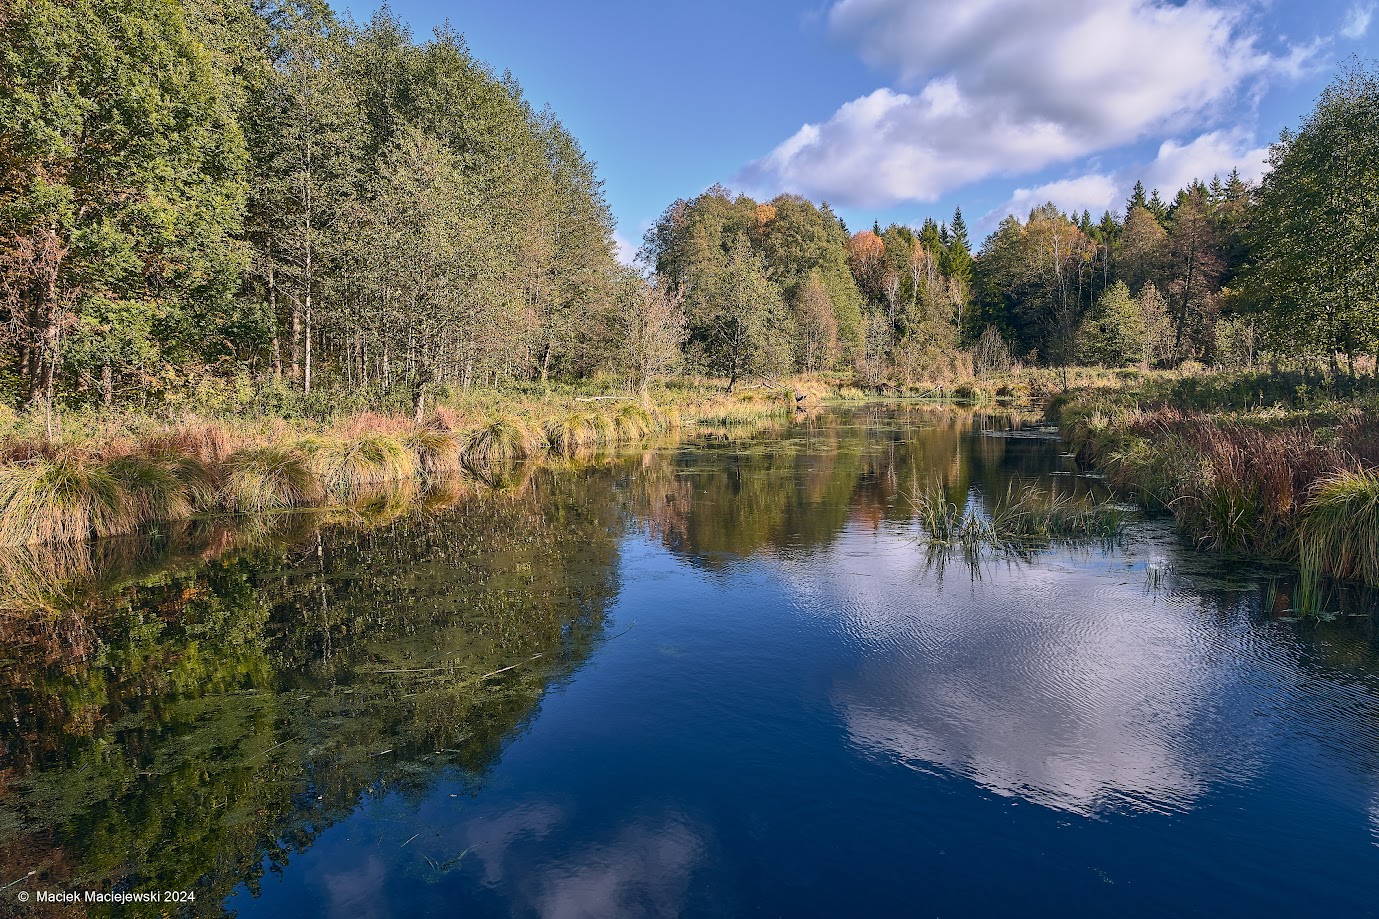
[{"x": 895, "y": 110}]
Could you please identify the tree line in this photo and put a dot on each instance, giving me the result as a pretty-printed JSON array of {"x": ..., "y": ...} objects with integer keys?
[
  {"x": 196, "y": 189},
  {"x": 263, "y": 192},
  {"x": 1223, "y": 273}
]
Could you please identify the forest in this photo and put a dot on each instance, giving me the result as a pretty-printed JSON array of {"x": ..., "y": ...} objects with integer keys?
[
  {"x": 1222, "y": 274},
  {"x": 255, "y": 255},
  {"x": 220, "y": 190},
  {"x": 215, "y": 203}
]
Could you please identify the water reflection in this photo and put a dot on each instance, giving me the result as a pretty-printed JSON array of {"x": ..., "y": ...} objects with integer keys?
[
  {"x": 222, "y": 705},
  {"x": 202, "y": 723},
  {"x": 1034, "y": 691}
]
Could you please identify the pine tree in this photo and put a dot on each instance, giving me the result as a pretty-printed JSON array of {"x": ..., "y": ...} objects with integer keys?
[{"x": 1137, "y": 199}]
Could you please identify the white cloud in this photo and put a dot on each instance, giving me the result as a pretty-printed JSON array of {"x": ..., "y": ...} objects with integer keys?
[
  {"x": 1005, "y": 87},
  {"x": 1094, "y": 192},
  {"x": 1088, "y": 713},
  {"x": 623, "y": 249},
  {"x": 1357, "y": 20},
  {"x": 1214, "y": 153}
]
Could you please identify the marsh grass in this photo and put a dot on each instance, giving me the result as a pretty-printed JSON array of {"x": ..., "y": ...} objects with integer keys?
[
  {"x": 348, "y": 467},
  {"x": 1339, "y": 534},
  {"x": 1243, "y": 465},
  {"x": 117, "y": 474},
  {"x": 1024, "y": 519},
  {"x": 260, "y": 479},
  {"x": 438, "y": 452},
  {"x": 59, "y": 498},
  {"x": 572, "y": 434}
]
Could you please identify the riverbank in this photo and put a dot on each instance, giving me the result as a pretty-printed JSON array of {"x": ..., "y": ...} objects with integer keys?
[
  {"x": 109, "y": 474},
  {"x": 1283, "y": 466}
]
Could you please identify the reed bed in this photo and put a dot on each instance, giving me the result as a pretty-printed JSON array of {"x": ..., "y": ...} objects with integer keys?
[
  {"x": 122, "y": 480},
  {"x": 1274, "y": 480}
]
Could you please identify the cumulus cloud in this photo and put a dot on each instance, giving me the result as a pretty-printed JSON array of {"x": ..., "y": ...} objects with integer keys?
[
  {"x": 1095, "y": 193},
  {"x": 1214, "y": 153},
  {"x": 1357, "y": 20},
  {"x": 1005, "y": 87}
]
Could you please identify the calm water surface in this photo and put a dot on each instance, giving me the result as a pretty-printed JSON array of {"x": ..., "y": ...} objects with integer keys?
[{"x": 712, "y": 679}]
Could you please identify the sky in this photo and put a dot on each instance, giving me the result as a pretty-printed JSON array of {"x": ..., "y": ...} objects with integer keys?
[{"x": 897, "y": 110}]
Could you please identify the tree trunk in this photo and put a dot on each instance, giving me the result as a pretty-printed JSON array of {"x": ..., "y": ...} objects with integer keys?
[
  {"x": 107, "y": 386},
  {"x": 296, "y": 339},
  {"x": 419, "y": 401},
  {"x": 273, "y": 312},
  {"x": 306, "y": 348}
]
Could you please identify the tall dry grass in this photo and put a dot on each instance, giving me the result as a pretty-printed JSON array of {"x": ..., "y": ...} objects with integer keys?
[{"x": 1271, "y": 480}]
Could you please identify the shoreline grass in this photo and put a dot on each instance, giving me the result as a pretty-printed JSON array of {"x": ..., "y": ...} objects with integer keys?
[
  {"x": 1254, "y": 465},
  {"x": 116, "y": 475}
]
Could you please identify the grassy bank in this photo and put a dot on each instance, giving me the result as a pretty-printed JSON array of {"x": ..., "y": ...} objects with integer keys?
[
  {"x": 1284, "y": 466},
  {"x": 108, "y": 474}
]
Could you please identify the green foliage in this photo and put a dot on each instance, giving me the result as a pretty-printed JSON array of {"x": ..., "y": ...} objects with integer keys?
[
  {"x": 1315, "y": 211},
  {"x": 122, "y": 166},
  {"x": 1126, "y": 330},
  {"x": 738, "y": 321}
]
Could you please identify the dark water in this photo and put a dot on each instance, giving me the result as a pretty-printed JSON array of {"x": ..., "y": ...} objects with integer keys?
[{"x": 720, "y": 678}]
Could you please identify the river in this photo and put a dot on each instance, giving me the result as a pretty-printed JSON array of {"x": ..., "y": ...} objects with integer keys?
[{"x": 718, "y": 677}]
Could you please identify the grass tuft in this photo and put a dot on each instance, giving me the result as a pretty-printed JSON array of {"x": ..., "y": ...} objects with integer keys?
[
  {"x": 269, "y": 478},
  {"x": 350, "y": 467},
  {"x": 1339, "y": 534},
  {"x": 437, "y": 450},
  {"x": 634, "y": 422},
  {"x": 573, "y": 434},
  {"x": 60, "y": 498},
  {"x": 499, "y": 445}
]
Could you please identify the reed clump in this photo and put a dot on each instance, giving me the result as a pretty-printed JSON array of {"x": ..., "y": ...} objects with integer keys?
[
  {"x": 61, "y": 497},
  {"x": 1024, "y": 518},
  {"x": 633, "y": 422},
  {"x": 68, "y": 495},
  {"x": 259, "y": 479},
  {"x": 572, "y": 434},
  {"x": 438, "y": 451},
  {"x": 501, "y": 444},
  {"x": 1339, "y": 534},
  {"x": 346, "y": 467}
]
